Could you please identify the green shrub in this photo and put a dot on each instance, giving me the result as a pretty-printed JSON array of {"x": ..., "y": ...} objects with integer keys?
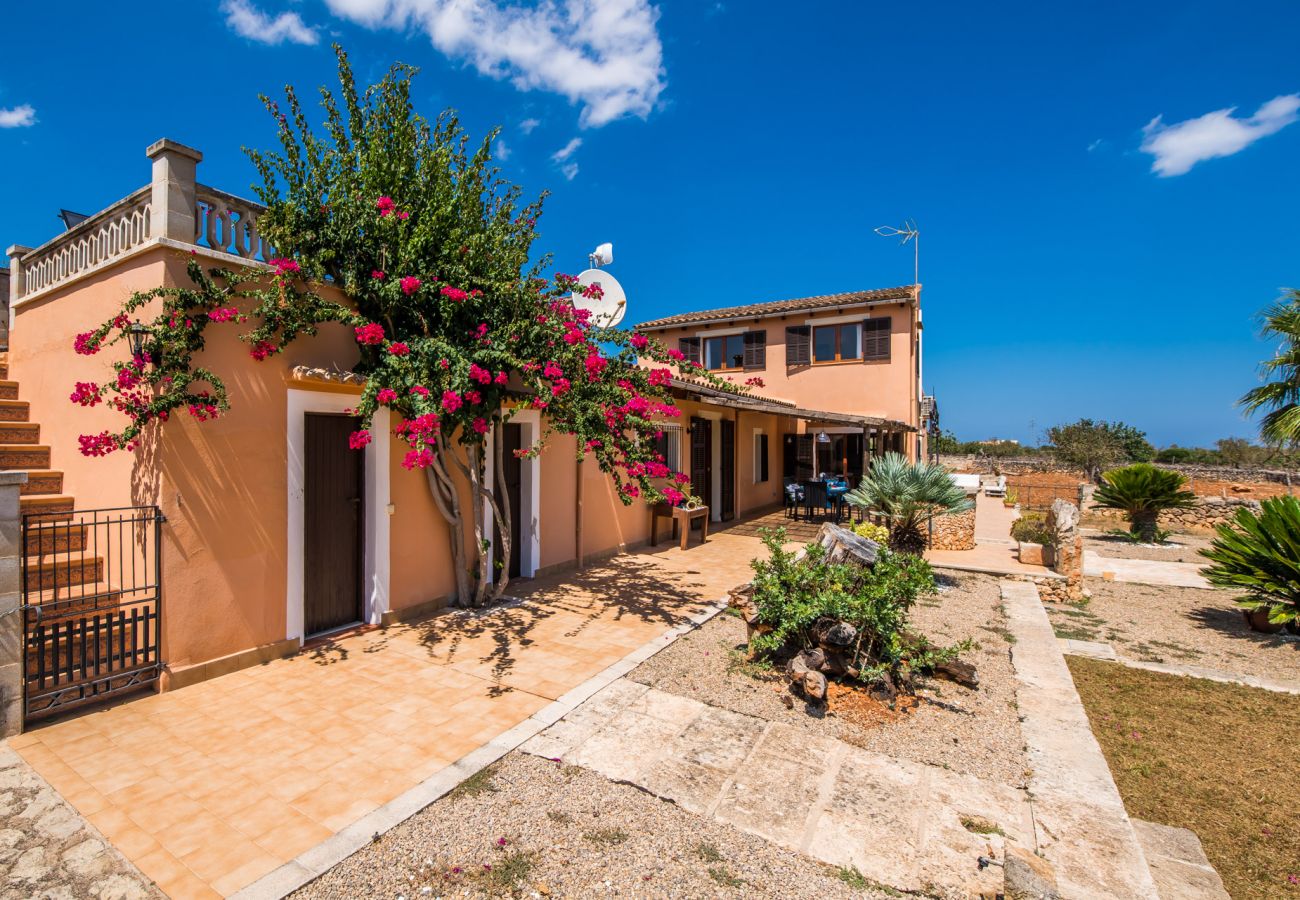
[
  {"x": 1143, "y": 492},
  {"x": 1259, "y": 554},
  {"x": 1031, "y": 528},
  {"x": 908, "y": 494},
  {"x": 792, "y": 595},
  {"x": 872, "y": 532}
]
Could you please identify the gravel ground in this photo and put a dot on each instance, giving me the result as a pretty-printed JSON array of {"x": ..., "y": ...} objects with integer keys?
[
  {"x": 1179, "y": 547},
  {"x": 547, "y": 830},
  {"x": 1193, "y": 626},
  {"x": 971, "y": 731}
]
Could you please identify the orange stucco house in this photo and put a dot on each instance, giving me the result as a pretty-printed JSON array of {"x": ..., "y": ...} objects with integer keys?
[{"x": 218, "y": 545}]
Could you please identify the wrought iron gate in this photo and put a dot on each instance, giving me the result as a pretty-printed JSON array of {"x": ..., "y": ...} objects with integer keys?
[{"x": 92, "y": 605}]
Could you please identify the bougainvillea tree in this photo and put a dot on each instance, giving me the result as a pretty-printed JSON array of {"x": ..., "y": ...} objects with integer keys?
[{"x": 456, "y": 329}]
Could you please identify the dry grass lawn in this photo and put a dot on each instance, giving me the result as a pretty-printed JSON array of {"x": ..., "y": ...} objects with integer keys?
[{"x": 1219, "y": 759}]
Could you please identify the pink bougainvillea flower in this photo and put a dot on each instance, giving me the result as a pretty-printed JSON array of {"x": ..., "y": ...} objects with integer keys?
[
  {"x": 223, "y": 314},
  {"x": 502, "y": 378},
  {"x": 386, "y": 396},
  {"x": 639, "y": 341},
  {"x": 473, "y": 398},
  {"x": 378, "y": 274},
  {"x": 397, "y": 348},
  {"x": 418, "y": 459},
  {"x": 100, "y": 444},
  {"x": 370, "y": 333},
  {"x": 660, "y": 377},
  {"x": 261, "y": 350},
  {"x": 454, "y": 294},
  {"x": 385, "y": 205},
  {"x": 284, "y": 266},
  {"x": 451, "y": 401},
  {"x": 676, "y": 354},
  {"x": 86, "y": 393},
  {"x": 403, "y": 215},
  {"x": 480, "y": 425},
  {"x": 421, "y": 390},
  {"x": 673, "y": 496},
  {"x": 595, "y": 364},
  {"x": 410, "y": 284},
  {"x": 479, "y": 374},
  {"x": 756, "y": 381},
  {"x": 444, "y": 363},
  {"x": 552, "y": 370},
  {"x": 85, "y": 343},
  {"x": 359, "y": 439},
  {"x": 127, "y": 378}
]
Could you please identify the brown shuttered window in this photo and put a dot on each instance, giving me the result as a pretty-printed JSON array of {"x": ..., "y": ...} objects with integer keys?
[
  {"x": 690, "y": 348},
  {"x": 755, "y": 349},
  {"x": 798, "y": 345},
  {"x": 875, "y": 338}
]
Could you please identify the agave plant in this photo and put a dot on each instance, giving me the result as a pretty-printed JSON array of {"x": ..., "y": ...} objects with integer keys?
[
  {"x": 908, "y": 495},
  {"x": 1143, "y": 492},
  {"x": 1259, "y": 554}
]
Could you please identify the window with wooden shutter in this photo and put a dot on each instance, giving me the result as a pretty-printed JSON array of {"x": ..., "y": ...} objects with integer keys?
[
  {"x": 875, "y": 338},
  {"x": 798, "y": 345},
  {"x": 755, "y": 349},
  {"x": 690, "y": 348}
]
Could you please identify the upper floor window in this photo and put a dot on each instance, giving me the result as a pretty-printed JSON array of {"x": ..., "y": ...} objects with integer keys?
[
  {"x": 839, "y": 342},
  {"x": 836, "y": 343},
  {"x": 727, "y": 352}
]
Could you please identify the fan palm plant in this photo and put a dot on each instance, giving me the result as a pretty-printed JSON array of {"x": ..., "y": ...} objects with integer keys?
[
  {"x": 1281, "y": 397},
  {"x": 1143, "y": 492},
  {"x": 908, "y": 495},
  {"x": 1259, "y": 554}
]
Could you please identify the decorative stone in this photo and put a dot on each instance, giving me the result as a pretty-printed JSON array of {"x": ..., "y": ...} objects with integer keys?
[{"x": 1027, "y": 876}]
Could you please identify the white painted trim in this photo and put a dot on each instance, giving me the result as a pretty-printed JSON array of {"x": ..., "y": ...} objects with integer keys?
[
  {"x": 376, "y": 561},
  {"x": 721, "y": 332},
  {"x": 530, "y": 496},
  {"x": 839, "y": 320}
]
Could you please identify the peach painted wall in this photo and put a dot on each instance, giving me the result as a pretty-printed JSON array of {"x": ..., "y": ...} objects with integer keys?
[{"x": 885, "y": 389}]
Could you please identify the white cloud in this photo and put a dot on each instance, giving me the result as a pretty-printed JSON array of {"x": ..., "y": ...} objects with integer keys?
[
  {"x": 603, "y": 54},
  {"x": 570, "y": 170},
  {"x": 1096, "y": 145},
  {"x": 501, "y": 150},
  {"x": 1180, "y": 146},
  {"x": 567, "y": 150},
  {"x": 250, "y": 22},
  {"x": 18, "y": 117},
  {"x": 527, "y": 125}
]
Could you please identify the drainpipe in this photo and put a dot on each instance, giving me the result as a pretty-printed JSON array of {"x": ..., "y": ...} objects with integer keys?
[{"x": 577, "y": 514}]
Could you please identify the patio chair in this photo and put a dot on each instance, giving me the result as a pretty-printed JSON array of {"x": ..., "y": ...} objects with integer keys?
[
  {"x": 791, "y": 495},
  {"x": 815, "y": 497},
  {"x": 997, "y": 487}
]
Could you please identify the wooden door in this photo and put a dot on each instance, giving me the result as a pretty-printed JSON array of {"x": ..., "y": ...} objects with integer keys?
[
  {"x": 333, "y": 486},
  {"x": 702, "y": 459},
  {"x": 512, "y": 435},
  {"x": 728, "y": 473}
]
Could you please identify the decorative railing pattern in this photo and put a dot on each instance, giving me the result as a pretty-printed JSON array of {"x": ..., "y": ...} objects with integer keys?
[
  {"x": 228, "y": 223},
  {"x": 104, "y": 236}
]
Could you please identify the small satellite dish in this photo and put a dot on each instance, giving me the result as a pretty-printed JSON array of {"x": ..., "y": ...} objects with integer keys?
[
  {"x": 608, "y": 309},
  {"x": 602, "y": 255}
]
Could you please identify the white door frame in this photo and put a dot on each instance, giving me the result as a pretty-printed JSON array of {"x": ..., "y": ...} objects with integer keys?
[
  {"x": 375, "y": 556},
  {"x": 530, "y": 494}
]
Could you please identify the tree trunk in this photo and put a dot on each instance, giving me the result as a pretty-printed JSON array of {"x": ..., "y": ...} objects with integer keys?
[
  {"x": 445, "y": 497},
  {"x": 501, "y": 503},
  {"x": 1144, "y": 525}
]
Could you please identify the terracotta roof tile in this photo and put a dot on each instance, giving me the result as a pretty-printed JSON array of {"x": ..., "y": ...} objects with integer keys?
[{"x": 776, "y": 307}]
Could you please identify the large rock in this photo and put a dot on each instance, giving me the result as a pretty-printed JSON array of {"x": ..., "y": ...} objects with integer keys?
[{"x": 1027, "y": 876}]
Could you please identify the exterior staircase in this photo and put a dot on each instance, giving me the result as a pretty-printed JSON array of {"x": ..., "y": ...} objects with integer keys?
[{"x": 21, "y": 450}]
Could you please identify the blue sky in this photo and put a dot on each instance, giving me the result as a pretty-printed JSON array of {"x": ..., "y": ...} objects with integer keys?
[{"x": 1079, "y": 256}]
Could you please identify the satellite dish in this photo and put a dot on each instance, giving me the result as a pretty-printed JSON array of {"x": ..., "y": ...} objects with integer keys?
[
  {"x": 608, "y": 309},
  {"x": 602, "y": 255}
]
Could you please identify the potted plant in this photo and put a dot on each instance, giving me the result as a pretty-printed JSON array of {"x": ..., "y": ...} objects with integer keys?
[
  {"x": 1036, "y": 545},
  {"x": 1010, "y": 499},
  {"x": 1256, "y": 553}
]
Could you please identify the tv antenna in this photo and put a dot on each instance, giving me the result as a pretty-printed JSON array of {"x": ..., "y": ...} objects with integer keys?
[
  {"x": 908, "y": 232},
  {"x": 608, "y": 304}
]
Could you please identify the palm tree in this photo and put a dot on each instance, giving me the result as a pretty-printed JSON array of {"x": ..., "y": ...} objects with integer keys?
[
  {"x": 1259, "y": 555},
  {"x": 908, "y": 495},
  {"x": 1281, "y": 397},
  {"x": 1143, "y": 492}
]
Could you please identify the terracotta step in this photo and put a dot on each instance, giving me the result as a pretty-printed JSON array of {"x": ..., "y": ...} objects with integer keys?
[
  {"x": 42, "y": 481},
  {"x": 24, "y": 456},
  {"x": 53, "y": 505},
  {"x": 60, "y": 537},
  {"x": 63, "y": 571},
  {"x": 80, "y": 599},
  {"x": 19, "y": 432},
  {"x": 14, "y": 410},
  {"x": 8, "y": 390}
]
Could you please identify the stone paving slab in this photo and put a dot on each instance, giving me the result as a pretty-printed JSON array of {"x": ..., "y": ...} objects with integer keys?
[
  {"x": 1097, "y": 650},
  {"x": 1178, "y": 863},
  {"x": 1081, "y": 825},
  {"x": 1144, "y": 571},
  {"x": 48, "y": 851},
  {"x": 899, "y": 822},
  {"x": 1089, "y": 649}
]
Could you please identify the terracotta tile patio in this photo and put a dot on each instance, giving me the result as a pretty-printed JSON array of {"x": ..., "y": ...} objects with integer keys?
[{"x": 209, "y": 788}]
